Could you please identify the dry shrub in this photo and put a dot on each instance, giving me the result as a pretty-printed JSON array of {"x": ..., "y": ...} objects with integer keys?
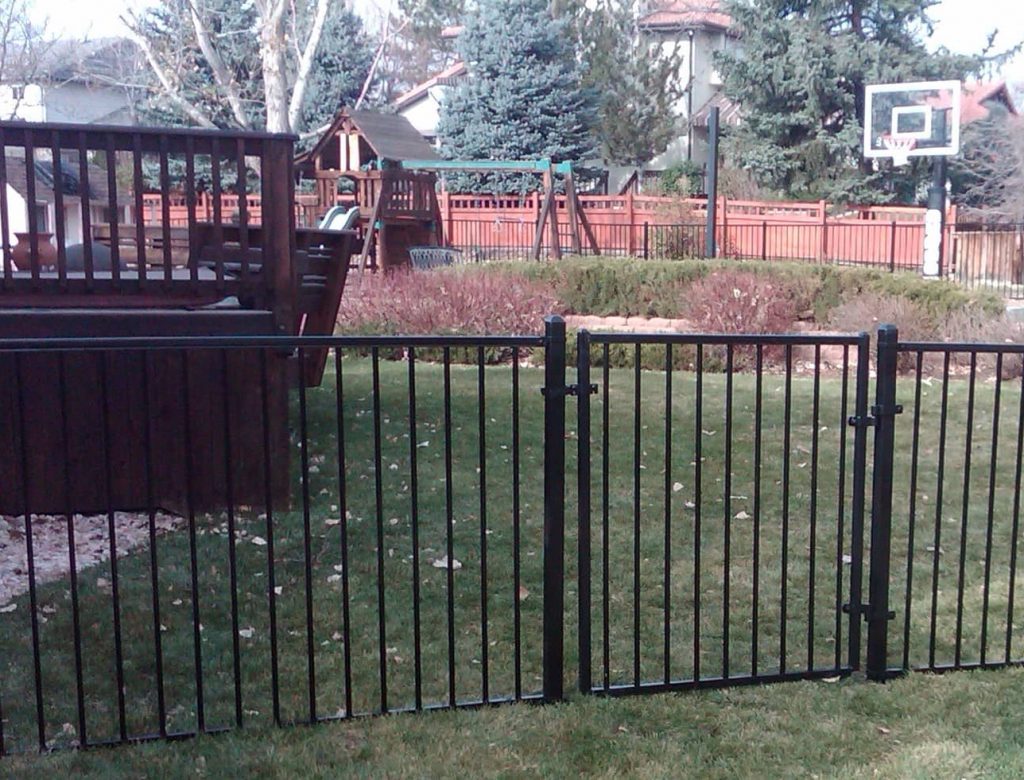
[
  {"x": 866, "y": 312},
  {"x": 742, "y": 302},
  {"x": 445, "y": 302},
  {"x": 977, "y": 327},
  {"x": 915, "y": 323}
]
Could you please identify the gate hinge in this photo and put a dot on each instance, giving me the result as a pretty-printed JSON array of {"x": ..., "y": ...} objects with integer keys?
[
  {"x": 573, "y": 390},
  {"x": 866, "y": 611}
]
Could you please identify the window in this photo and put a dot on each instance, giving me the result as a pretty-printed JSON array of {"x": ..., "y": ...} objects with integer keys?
[{"x": 42, "y": 221}]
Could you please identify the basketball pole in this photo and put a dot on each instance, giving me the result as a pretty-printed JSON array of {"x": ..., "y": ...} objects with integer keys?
[{"x": 935, "y": 217}]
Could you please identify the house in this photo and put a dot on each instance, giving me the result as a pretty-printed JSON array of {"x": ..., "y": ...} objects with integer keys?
[
  {"x": 76, "y": 82},
  {"x": 975, "y": 100},
  {"x": 701, "y": 28},
  {"x": 45, "y": 201},
  {"x": 422, "y": 104}
]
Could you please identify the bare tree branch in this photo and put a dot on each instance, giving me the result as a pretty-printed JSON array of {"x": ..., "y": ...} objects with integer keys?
[
  {"x": 387, "y": 35},
  {"x": 168, "y": 81},
  {"x": 305, "y": 64},
  {"x": 221, "y": 74}
]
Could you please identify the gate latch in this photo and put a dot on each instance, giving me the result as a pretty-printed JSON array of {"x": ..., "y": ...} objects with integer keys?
[
  {"x": 866, "y": 611},
  {"x": 877, "y": 411},
  {"x": 573, "y": 390}
]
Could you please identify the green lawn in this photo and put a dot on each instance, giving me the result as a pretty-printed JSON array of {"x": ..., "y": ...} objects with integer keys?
[
  {"x": 813, "y": 573},
  {"x": 961, "y": 725}
]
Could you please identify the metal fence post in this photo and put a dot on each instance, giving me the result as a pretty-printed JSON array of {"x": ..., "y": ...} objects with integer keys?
[
  {"x": 555, "y": 391},
  {"x": 884, "y": 413},
  {"x": 892, "y": 247},
  {"x": 647, "y": 241},
  {"x": 583, "y": 540}
]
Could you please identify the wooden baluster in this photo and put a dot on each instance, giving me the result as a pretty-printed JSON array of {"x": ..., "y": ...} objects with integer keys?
[
  {"x": 86, "y": 199},
  {"x": 115, "y": 248},
  {"x": 30, "y": 200},
  {"x": 190, "y": 205},
  {"x": 165, "y": 211},
  {"x": 243, "y": 211},
  {"x": 140, "y": 224},
  {"x": 5, "y": 225},
  {"x": 218, "y": 220},
  {"x": 58, "y": 209}
]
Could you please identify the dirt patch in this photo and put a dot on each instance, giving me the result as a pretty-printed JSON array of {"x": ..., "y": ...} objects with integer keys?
[{"x": 50, "y": 546}]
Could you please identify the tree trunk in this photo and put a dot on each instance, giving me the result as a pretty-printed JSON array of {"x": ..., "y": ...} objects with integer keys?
[{"x": 275, "y": 76}]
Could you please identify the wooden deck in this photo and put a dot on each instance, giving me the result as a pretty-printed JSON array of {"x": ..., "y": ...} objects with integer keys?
[{"x": 220, "y": 273}]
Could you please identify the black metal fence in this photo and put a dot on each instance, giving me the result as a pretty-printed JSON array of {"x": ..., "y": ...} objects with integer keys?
[
  {"x": 739, "y": 500},
  {"x": 395, "y": 539}
]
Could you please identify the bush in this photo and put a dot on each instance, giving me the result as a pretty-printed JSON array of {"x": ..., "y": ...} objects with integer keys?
[{"x": 445, "y": 302}]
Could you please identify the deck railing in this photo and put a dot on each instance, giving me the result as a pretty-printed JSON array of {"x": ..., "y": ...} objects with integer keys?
[{"x": 79, "y": 224}]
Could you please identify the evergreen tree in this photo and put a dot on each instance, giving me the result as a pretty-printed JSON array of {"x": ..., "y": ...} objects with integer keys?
[
  {"x": 524, "y": 97},
  {"x": 799, "y": 77},
  {"x": 638, "y": 80}
]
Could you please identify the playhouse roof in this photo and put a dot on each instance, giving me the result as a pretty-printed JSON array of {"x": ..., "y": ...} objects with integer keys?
[{"x": 391, "y": 136}]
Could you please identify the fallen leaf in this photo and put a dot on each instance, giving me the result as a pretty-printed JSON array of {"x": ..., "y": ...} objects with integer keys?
[
  {"x": 9, "y": 607},
  {"x": 523, "y": 593},
  {"x": 247, "y": 633},
  {"x": 835, "y": 679},
  {"x": 677, "y": 486},
  {"x": 884, "y": 730},
  {"x": 442, "y": 563},
  {"x": 741, "y": 515},
  {"x": 332, "y": 521},
  {"x": 259, "y": 541}
]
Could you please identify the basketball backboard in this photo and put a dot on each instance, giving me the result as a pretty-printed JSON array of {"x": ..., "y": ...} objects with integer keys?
[{"x": 912, "y": 119}]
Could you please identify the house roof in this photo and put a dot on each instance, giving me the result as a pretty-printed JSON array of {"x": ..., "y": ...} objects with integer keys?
[
  {"x": 687, "y": 14},
  {"x": 101, "y": 60},
  {"x": 975, "y": 96},
  {"x": 447, "y": 77},
  {"x": 71, "y": 187},
  {"x": 729, "y": 113},
  {"x": 391, "y": 136}
]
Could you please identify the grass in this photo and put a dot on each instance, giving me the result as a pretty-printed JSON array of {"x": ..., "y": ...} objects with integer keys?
[
  {"x": 814, "y": 572},
  {"x": 962, "y": 725}
]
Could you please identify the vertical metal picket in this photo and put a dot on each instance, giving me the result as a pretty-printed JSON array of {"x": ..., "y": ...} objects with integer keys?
[
  {"x": 583, "y": 487},
  {"x": 884, "y": 413},
  {"x": 554, "y": 391}
]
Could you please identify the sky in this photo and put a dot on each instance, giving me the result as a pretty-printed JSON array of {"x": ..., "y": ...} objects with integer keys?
[{"x": 961, "y": 25}]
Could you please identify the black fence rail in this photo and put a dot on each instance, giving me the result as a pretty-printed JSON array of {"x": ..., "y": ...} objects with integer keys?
[
  {"x": 725, "y": 530},
  {"x": 389, "y": 556}
]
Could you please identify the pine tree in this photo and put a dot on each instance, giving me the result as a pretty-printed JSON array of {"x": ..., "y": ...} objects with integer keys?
[
  {"x": 799, "y": 77},
  {"x": 638, "y": 80},
  {"x": 524, "y": 98}
]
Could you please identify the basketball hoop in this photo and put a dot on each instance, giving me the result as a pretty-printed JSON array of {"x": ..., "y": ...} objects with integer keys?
[{"x": 898, "y": 148}]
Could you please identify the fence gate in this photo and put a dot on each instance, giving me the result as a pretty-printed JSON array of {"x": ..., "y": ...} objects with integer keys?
[{"x": 721, "y": 509}]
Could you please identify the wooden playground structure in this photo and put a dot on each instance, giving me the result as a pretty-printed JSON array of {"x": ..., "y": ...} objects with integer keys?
[
  {"x": 391, "y": 175},
  {"x": 77, "y": 413}
]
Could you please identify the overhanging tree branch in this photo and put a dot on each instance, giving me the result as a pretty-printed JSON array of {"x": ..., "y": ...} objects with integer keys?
[
  {"x": 168, "y": 81},
  {"x": 305, "y": 63},
  {"x": 221, "y": 75}
]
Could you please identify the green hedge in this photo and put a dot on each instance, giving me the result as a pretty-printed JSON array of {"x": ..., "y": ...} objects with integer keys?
[{"x": 657, "y": 288}]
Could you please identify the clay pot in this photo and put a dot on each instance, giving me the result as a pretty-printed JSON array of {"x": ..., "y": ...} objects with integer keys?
[{"x": 22, "y": 251}]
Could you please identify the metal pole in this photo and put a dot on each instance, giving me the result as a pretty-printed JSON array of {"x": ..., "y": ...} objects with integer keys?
[
  {"x": 647, "y": 241},
  {"x": 936, "y": 214},
  {"x": 884, "y": 413},
  {"x": 554, "y": 506},
  {"x": 709, "y": 235},
  {"x": 583, "y": 541}
]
